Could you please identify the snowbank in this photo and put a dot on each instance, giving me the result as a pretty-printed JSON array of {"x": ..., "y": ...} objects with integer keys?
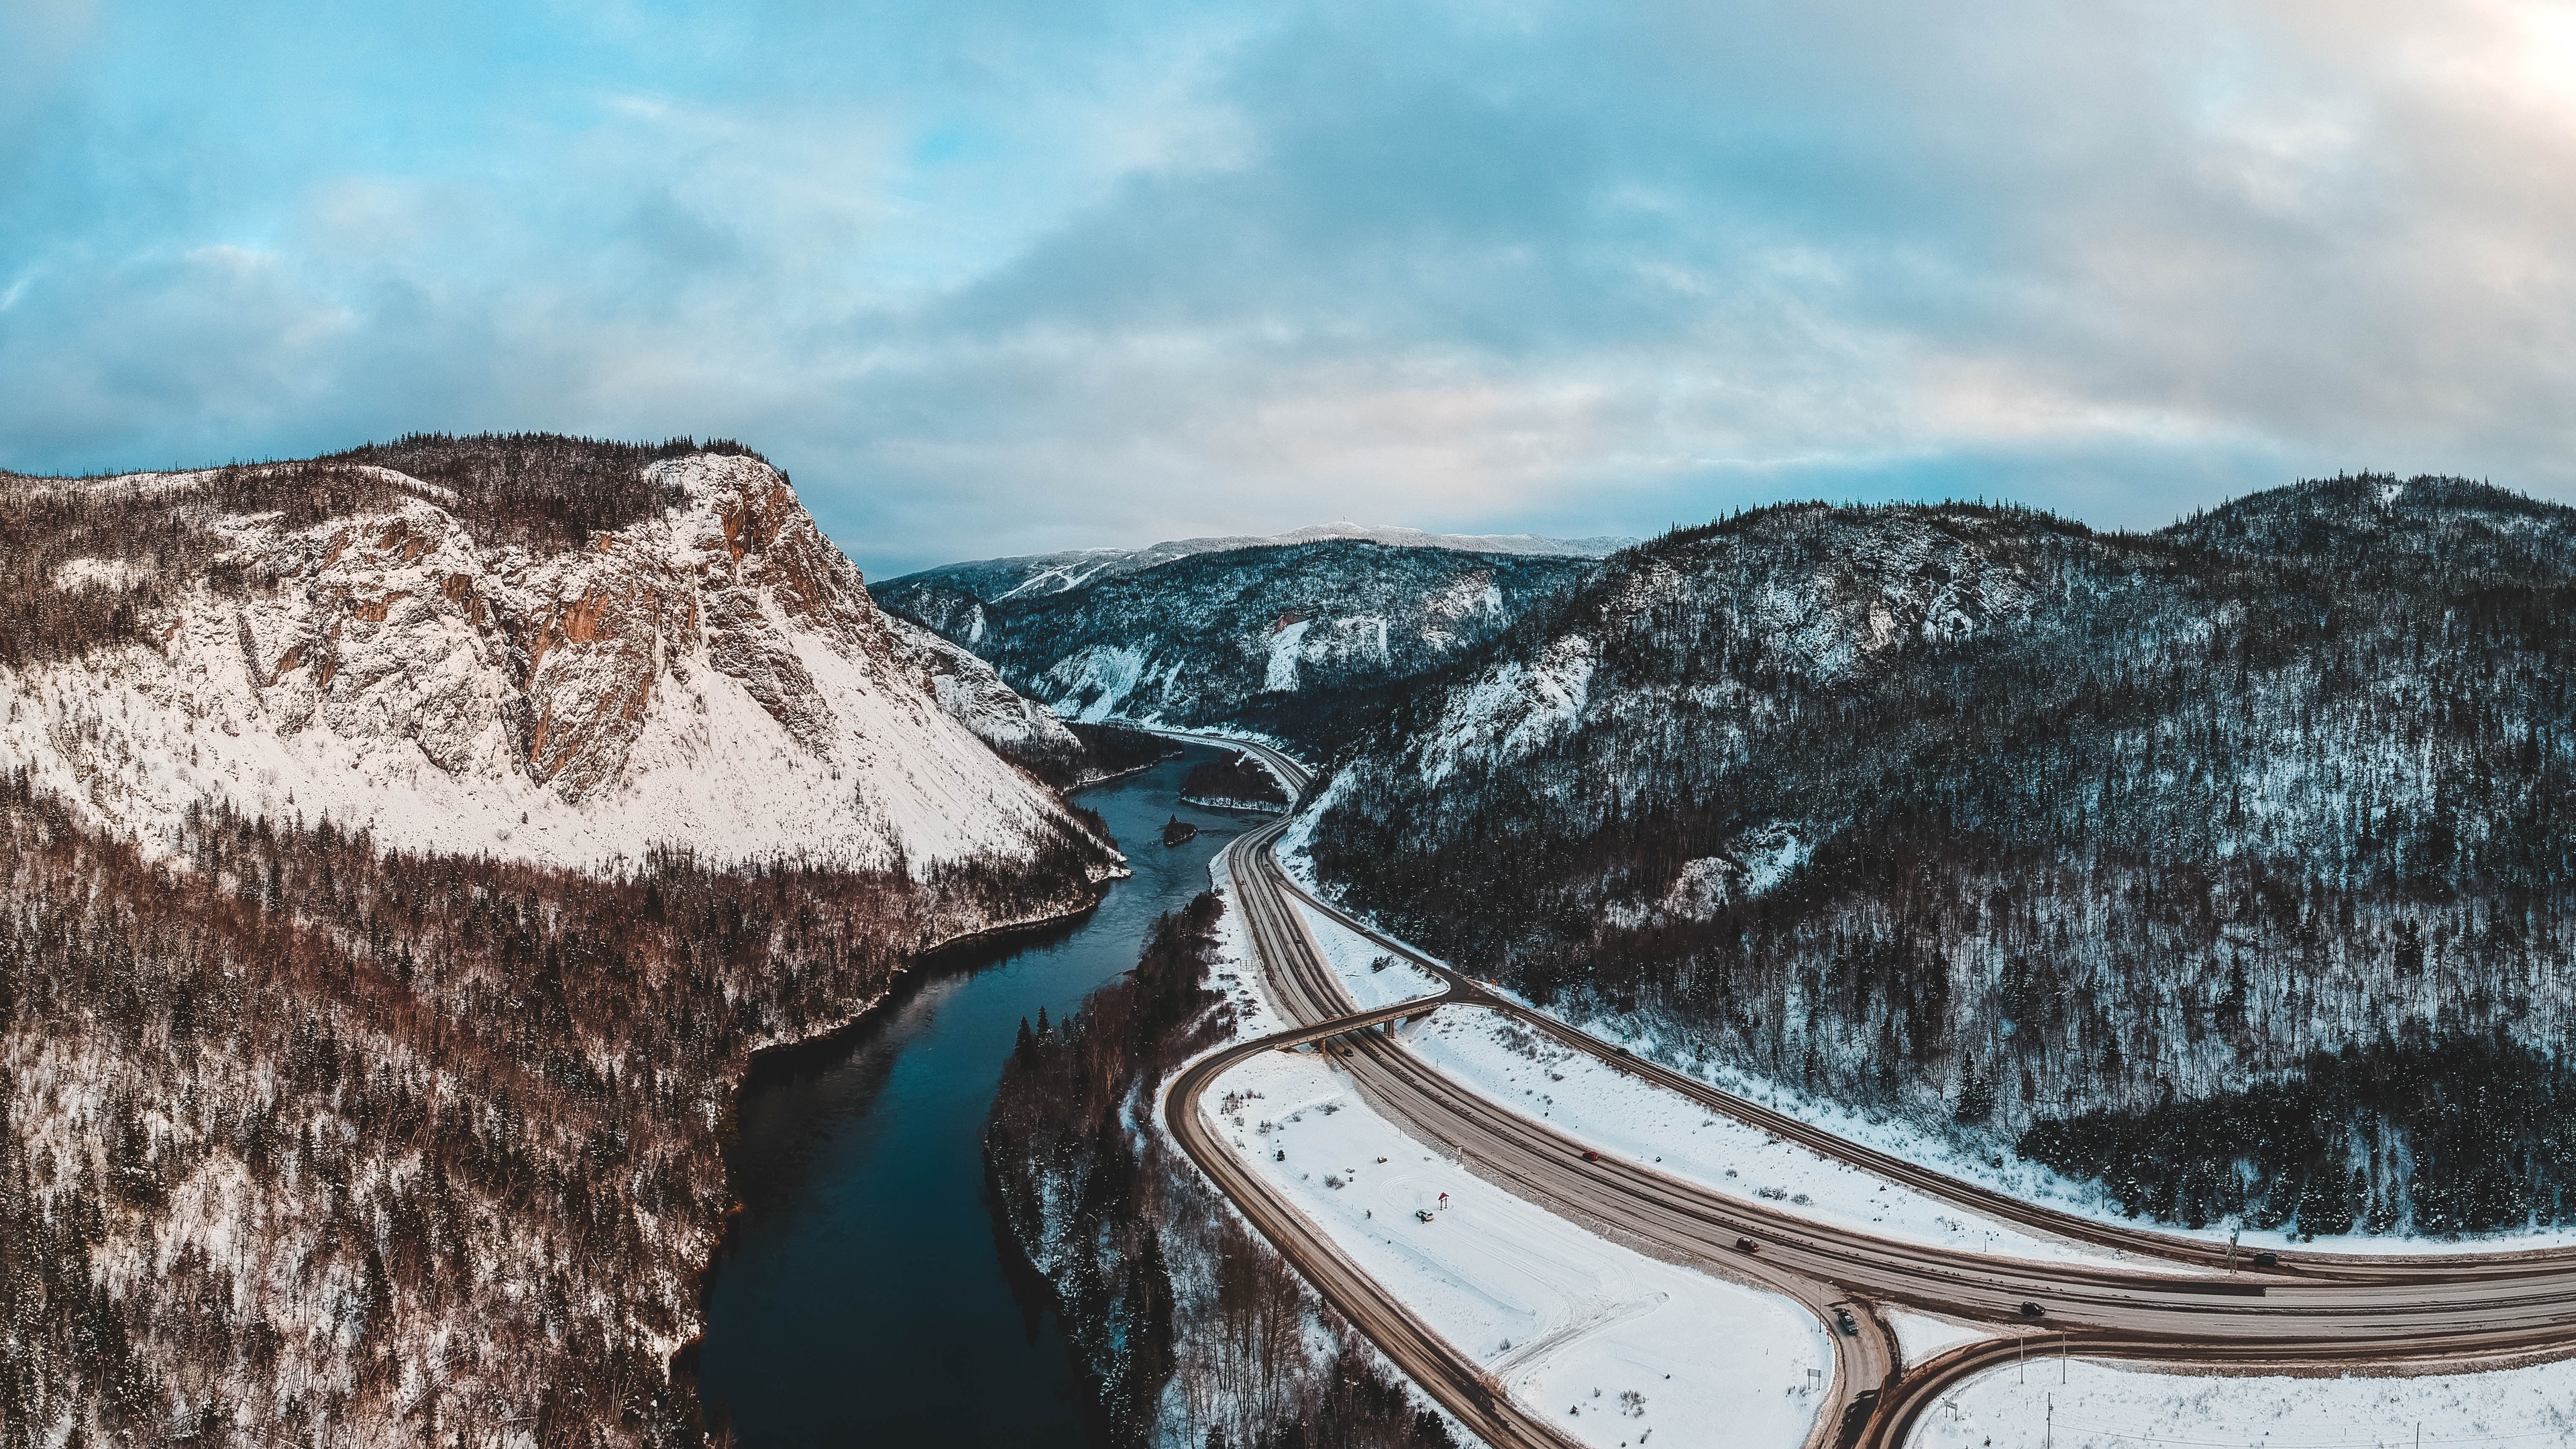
[
  {"x": 1622, "y": 1114},
  {"x": 2081, "y": 1405}
]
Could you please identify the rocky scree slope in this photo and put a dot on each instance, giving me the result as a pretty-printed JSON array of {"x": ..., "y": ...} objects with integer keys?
[
  {"x": 1975, "y": 814},
  {"x": 567, "y": 652},
  {"x": 1286, "y": 639}
]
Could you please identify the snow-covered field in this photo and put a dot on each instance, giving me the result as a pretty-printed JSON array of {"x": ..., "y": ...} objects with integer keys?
[
  {"x": 2017, "y": 1176},
  {"x": 1919, "y": 1335},
  {"x": 2027, "y": 1180},
  {"x": 1373, "y": 975},
  {"x": 2080, "y": 1405},
  {"x": 1573, "y": 1324},
  {"x": 1512, "y": 1064}
]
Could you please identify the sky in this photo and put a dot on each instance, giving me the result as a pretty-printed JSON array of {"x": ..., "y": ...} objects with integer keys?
[{"x": 990, "y": 277}]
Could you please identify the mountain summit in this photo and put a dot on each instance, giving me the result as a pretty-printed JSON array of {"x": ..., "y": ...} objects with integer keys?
[{"x": 677, "y": 655}]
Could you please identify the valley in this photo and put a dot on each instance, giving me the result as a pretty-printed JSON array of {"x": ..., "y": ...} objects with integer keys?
[{"x": 1947, "y": 927}]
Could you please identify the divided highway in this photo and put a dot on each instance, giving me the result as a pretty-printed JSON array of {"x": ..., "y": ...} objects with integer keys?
[{"x": 2189, "y": 1306}]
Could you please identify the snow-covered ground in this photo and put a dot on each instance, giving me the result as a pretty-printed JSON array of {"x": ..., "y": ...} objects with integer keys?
[
  {"x": 1623, "y": 1114},
  {"x": 1919, "y": 1335},
  {"x": 1573, "y": 1324},
  {"x": 2081, "y": 1405},
  {"x": 2020, "y": 1177},
  {"x": 1237, "y": 970},
  {"x": 1373, "y": 975},
  {"x": 2024, "y": 1179}
]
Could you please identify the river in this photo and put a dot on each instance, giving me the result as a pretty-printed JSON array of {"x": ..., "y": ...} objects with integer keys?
[{"x": 861, "y": 1298}]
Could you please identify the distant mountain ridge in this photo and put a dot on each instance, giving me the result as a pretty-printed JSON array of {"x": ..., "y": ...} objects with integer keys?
[
  {"x": 1277, "y": 637},
  {"x": 1027, "y": 575}
]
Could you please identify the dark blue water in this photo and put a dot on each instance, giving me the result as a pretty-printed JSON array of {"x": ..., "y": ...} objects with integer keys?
[{"x": 862, "y": 1298}]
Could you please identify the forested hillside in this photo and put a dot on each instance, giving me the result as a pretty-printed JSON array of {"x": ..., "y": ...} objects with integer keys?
[
  {"x": 1972, "y": 811},
  {"x": 401, "y": 856},
  {"x": 308, "y": 1142},
  {"x": 1185, "y": 1326},
  {"x": 1301, "y": 641}
]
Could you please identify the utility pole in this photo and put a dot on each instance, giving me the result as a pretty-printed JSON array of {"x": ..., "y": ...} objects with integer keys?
[
  {"x": 2061, "y": 1358},
  {"x": 2048, "y": 1431}
]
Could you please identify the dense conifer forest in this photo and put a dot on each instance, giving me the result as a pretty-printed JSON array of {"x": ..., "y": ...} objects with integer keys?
[
  {"x": 305, "y": 1142},
  {"x": 1235, "y": 778},
  {"x": 1976, "y": 815},
  {"x": 2462, "y": 1134}
]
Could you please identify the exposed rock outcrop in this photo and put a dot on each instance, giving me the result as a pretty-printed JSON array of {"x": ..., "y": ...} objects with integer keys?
[{"x": 714, "y": 676}]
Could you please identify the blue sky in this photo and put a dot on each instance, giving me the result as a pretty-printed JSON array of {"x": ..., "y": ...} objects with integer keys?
[{"x": 994, "y": 277}]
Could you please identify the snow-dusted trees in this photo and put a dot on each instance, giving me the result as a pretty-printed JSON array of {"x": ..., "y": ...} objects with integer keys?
[
  {"x": 1974, "y": 812},
  {"x": 306, "y": 1143},
  {"x": 90, "y": 559},
  {"x": 1187, "y": 1328}
]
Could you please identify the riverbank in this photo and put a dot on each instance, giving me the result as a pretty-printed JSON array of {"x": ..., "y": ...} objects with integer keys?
[
  {"x": 1184, "y": 1326},
  {"x": 859, "y": 1293}
]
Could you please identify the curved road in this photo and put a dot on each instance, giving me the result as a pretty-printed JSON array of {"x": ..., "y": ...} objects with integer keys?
[{"x": 2187, "y": 1307}]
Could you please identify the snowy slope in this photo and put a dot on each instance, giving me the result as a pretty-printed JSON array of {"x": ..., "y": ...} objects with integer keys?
[
  {"x": 714, "y": 677},
  {"x": 1980, "y": 819},
  {"x": 1267, "y": 637}
]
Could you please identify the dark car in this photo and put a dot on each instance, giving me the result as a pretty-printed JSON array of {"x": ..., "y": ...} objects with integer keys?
[
  {"x": 1843, "y": 1320},
  {"x": 2032, "y": 1310},
  {"x": 2267, "y": 1260},
  {"x": 1591, "y": 1156},
  {"x": 1747, "y": 1245}
]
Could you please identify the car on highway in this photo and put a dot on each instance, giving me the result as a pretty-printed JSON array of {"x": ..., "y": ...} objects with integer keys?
[
  {"x": 1591, "y": 1156},
  {"x": 2032, "y": 1310},
  {"x": 1747, "y": 1245},
  {"x": 1843, "y": 1320}
]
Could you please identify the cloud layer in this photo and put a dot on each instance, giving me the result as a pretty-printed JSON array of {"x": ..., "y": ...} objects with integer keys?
[{"x": 997, "y": 277}]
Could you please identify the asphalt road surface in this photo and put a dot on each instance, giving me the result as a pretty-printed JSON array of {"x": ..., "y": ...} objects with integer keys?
[{"x": 2188, "y": 1301}]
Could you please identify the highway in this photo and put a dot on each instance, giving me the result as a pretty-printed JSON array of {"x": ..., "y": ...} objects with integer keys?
[{"x": 2189, "y": 1305}]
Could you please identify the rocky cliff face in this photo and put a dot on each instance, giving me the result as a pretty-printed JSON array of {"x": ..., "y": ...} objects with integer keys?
[{"x": 713, "y": 675}]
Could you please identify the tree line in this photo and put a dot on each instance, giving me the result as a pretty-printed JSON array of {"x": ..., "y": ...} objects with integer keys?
[
  {"x": 2081, "y": 816},
  {"x": 307, "y": 1142}
]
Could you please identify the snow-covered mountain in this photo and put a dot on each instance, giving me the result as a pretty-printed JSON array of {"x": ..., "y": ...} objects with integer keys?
[
  {"x": 1979, "y": 811},
  {"x": 1039, "y": 574},
  {"x": 1276, "y": 637},
  {"x": 344, "y": 640},
  {"x": 336, "y": 1076}
]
